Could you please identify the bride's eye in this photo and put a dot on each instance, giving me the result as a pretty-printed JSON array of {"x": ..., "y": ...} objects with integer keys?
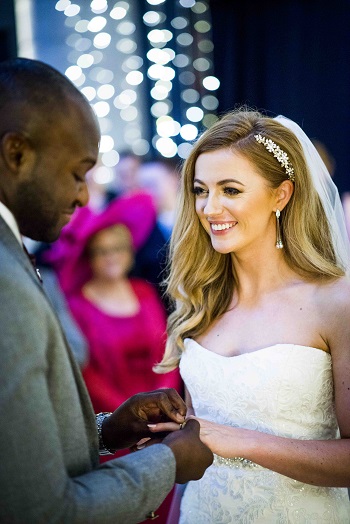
[
  {"x": 231, "y": 191},
  {"x": 198, "y": 191}
]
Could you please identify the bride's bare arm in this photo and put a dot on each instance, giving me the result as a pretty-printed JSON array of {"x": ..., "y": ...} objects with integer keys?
[{"x": 317, "y": 462}]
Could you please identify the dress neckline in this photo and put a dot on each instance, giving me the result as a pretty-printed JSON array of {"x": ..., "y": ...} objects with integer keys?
[{"x": 267, "y": 348}]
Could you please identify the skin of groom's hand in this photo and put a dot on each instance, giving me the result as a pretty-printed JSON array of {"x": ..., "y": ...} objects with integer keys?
[
  {"x": 191, "y": 455},
  {"x": 128, "y": 423}
]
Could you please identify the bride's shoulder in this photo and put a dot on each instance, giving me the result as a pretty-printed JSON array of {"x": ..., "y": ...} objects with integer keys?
[
  {"x": 334, "y": 296},
  {"x": 334, "y": 315}
]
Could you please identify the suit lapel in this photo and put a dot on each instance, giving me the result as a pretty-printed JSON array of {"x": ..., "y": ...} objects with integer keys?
[
  {"x": 9, "y": 242},
  {"x": 12, "y": 245}
]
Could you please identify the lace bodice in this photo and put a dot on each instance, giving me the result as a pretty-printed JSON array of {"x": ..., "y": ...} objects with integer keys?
[{"x": 285, "y": 390}]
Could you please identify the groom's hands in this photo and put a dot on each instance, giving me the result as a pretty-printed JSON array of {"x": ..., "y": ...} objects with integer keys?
[{"x": 128, "y": 423}]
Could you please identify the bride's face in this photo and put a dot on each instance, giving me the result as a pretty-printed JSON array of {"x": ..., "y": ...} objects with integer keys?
[{"x": 233, "y": 202}]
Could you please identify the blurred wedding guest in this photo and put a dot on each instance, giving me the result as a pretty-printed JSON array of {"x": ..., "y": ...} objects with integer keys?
[
  {"x": 330, "y": 163},
  {"x": 126, "y": 181},
  {"x": 98, "y": 198},
  {"x": 122, "y": 318},
  {"x": 325, "y": 155},
  {"x": 160, "y": 178}
]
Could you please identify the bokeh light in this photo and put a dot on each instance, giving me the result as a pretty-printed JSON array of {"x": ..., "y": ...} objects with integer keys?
[
  {"x": 106, "y": 143},
  {"x": 211, "y": 83},
  {"x": 121, "y": 66}
]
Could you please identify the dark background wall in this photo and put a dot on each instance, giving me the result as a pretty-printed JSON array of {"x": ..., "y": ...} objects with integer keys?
[
  {"x": 8, "y": 46},
  {"x": 290, "y": 57}
]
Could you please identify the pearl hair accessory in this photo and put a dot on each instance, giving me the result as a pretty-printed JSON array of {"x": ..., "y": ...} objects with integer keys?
[{"x": 278, "y": 153}]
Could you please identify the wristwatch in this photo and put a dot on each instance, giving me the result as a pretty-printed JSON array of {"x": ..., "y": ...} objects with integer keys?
[{"x": 99, "y": 420}]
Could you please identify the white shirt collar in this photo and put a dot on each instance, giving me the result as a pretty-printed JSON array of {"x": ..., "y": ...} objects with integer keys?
[{"x": 10, "y": 220}]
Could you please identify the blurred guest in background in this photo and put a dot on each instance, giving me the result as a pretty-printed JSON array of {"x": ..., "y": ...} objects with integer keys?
[
  {"x": 126, "y": 180},
  {"x": 160, "y": 178},
  {"x": 330, "y": 163},
  {"x": 122, "y": 318},
  {"x": 325, "y": 155},
  {"x": 98, "y": 192}
]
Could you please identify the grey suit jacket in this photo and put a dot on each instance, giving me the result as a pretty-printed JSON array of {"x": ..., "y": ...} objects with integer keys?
[
  {"x": 76, "y": 340},
  {"x": 49, "y": 470}
]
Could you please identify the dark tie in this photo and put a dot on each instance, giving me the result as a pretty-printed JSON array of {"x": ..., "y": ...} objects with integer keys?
[{"x": 32, "y": 261}]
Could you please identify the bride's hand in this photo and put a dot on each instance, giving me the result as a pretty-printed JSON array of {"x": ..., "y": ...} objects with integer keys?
[
  {"x": 163, "y": 427},
  {"x": 215, "y": 436},
  {"x": 226, "y": 441},
  {"x": 208, "y": 430}
]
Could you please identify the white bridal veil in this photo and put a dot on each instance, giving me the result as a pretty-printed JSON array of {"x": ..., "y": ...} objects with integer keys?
[{"x": 327, "y": 192}]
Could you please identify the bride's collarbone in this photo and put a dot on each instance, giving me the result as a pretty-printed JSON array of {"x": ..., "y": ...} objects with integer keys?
[
  {"x": 236, "y": 332},
  {"x": 240, "y": 347}
]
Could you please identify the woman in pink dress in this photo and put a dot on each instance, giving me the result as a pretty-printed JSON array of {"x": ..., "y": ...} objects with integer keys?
[
  {"x": 122, "y": 318},
  {"x": 123, "y": 321}
]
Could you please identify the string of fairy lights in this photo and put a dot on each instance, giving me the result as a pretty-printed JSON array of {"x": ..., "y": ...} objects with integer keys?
[{"x": 146, "y": 68}]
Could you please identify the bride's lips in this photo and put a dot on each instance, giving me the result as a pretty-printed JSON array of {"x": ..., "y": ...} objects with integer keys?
[{"x": 220, "y": 228}]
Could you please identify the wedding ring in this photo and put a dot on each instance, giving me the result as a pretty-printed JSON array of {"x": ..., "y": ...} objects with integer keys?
[{"x": 182, "y": 425}]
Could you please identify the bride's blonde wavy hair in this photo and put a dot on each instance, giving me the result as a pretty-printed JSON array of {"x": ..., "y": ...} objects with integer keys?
[{"x": 201, "y": 280}]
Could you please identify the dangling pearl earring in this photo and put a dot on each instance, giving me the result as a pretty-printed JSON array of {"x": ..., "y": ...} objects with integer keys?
[{"x": 279, "y": 243}]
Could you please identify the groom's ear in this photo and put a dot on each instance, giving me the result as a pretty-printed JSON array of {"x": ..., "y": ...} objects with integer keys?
[{"x": 17, "y": 154}]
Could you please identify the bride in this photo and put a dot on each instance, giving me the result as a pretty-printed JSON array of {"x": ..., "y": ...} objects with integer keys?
[{"x": 261, "y": 330}]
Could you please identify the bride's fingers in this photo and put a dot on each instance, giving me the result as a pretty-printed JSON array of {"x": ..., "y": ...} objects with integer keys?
[
  {"x": 164, "y": 426},
  {"x": 143, "y": 441}
]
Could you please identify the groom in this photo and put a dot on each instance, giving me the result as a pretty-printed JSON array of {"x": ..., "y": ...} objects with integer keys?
[{"x": 49, "y": 439}]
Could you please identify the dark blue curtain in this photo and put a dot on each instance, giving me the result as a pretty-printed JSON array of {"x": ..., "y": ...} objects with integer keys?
[
  {"x": 290, "y": 57},
  {"x": 8, "y": 45}
]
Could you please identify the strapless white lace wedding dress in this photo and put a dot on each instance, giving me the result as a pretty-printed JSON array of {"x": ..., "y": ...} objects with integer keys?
[{"x": 284, "y": 390}]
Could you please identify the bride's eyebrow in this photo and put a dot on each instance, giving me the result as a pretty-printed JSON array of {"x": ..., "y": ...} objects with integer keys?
[
  {"x": 228, "y": 180},
  {"x": 221, "y": 182}
]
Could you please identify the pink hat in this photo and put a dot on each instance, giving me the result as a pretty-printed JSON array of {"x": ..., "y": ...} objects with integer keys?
[{"x": 68, "y": 255}]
